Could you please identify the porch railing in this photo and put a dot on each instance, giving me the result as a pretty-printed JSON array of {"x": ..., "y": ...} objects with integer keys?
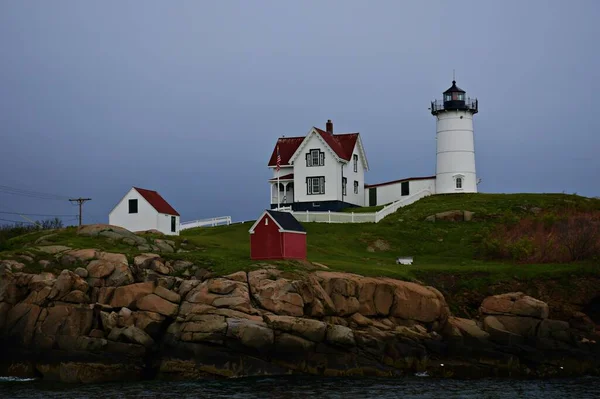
[
  {"x": 211, "y": 222},
  {"x": 356, "y": 217}
]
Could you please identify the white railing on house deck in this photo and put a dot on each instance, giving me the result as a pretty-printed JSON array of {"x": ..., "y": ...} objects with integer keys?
[
  {"x": 351, "y": 217},
  {"x": 211, "y": 222}
]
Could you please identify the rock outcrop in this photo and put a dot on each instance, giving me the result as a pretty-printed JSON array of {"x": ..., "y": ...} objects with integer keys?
[{"x": 111, "y": 320}]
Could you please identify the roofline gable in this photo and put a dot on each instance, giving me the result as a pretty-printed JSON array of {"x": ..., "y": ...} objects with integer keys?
[
  {"x": 361, "y": 149},
  {"x": 127, "y": 194},
  {"x": 305, "y": 142},
  {"x": 266, "y": 212}
]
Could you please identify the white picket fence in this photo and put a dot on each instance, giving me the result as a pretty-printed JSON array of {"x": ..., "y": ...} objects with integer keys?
[
  {"x": 351, "y": 217},
  {"x": 211, "y": 222}
]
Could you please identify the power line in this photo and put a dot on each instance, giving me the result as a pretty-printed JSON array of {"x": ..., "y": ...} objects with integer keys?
[
  {"x": 34, "y": 214},
  {"x": 31, "y": 193},
  {"x": 15, "y": 221}
]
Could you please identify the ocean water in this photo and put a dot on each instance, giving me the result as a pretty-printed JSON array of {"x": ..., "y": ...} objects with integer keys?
[{"x": 311, "y": 387}]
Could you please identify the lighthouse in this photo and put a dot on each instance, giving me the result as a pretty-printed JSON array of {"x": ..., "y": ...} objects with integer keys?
[{"x": 455, "y": 162}]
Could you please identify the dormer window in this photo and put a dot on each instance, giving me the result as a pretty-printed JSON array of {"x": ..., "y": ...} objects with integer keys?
[{"x": 315, "y": 158}]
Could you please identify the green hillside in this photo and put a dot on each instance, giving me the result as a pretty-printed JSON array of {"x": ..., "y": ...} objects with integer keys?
[{"x": 440, "y": 247}]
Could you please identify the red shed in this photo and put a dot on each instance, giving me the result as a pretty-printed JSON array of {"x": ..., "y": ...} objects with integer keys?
[{"x": 277, "y": 235}]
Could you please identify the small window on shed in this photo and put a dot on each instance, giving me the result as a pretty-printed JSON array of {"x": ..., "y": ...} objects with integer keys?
[
  {"x": 266, "y": 221},
  {"x": 133, "y": 206}
]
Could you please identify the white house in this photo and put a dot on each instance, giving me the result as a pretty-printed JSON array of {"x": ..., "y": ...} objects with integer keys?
[
  {"x": 141, "y": 210},
  {"x": 321, "y": 171}
]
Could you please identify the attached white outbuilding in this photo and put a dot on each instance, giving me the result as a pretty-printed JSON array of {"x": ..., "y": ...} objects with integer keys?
[{"x": 141, "y": 210}]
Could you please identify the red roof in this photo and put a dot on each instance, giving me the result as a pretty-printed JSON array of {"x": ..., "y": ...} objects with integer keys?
[
  {"x": 342, "y": 144},
  {"x": 285, "y": 177},
  {"x": 157, "y": 201},
  {"x": 399, "y": 181}
]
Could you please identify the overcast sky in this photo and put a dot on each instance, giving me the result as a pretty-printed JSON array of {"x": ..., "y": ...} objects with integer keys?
[{"x": 189, "y": 97}]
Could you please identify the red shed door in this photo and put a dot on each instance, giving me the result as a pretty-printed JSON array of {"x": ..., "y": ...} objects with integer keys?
[{"x": 266, "y": 242}]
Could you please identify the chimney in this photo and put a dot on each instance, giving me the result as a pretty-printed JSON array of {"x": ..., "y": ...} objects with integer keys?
[{"x": 329, "y": 126}]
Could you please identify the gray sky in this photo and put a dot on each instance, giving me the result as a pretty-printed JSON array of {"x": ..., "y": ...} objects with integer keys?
[{"x": 189, "y": 97}]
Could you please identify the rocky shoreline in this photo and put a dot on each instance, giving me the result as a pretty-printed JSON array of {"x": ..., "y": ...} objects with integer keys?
[{"x": 117, "y": 319}]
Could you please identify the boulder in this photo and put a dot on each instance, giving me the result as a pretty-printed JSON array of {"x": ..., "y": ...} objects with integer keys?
[
  {"x": 221, "y": 286},
  {"x": 113, "y": 258},
  {"x": 313, "y": 330},
  {"x": 126, "y": 295},
  {"x": 164, "y": 246},
  {"x": 142, "y": 261},
  {"x": 158, "y": 266},
  {"x": 76, "y": 296},
  {"x": 242, "y": 277},
  {"x": 121, "y": 275},
  {"x": 65, "y": 283},
  {"x": 468, "y": 328},
  {"x": 11, "y": 265},
  {"x": 131, "y": 334},
  {"x": 279, "y": 296},
  {"x": 53, "y": 249},
  {"x": 251, "y": 333},
  {"x": 81, "y": 272},
  {"x": 81, "y": 255},
  {"x": 154, "y": 303},
  {"x": 453, "y": 216},
  {"x": 100, "y": 268},
  {"x": 180, "y": 265},
  {"x": 340, "y": 335},
  {"x": 498, "y": 332},
  {"x": 167, "y": 294},
  {"x": 516, "y": 304}
]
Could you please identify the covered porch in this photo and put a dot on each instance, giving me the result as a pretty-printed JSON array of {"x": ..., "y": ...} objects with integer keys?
[{"x": 284, "y": 194}]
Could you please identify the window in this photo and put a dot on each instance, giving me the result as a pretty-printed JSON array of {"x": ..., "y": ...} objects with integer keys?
[
  {"x": 461, "y": 97},
  {"x": 133, "y": 206},
  {"x": 355, "y": 157},
  {"x": 173, "y": 224},
  {"x": 459, "y": 182},
  {"x": 266, "y": 221},
  {"x": 315, "y": 185},
  {"x": 315, "y": 158},
  {"x": 448, "y": 97},
  {"x": 355, "y": 187},
  {"x": 404, "y": 188},
  {"x": 344, "y": 184}
]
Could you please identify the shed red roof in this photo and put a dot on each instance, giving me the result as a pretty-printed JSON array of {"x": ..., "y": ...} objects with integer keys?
[
  {"x": 342, "y": 144},
  {"x": 157, "y": 201}
]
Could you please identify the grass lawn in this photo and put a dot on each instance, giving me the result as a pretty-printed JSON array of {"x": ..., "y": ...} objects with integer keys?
[{"x": 371, "y": 249}]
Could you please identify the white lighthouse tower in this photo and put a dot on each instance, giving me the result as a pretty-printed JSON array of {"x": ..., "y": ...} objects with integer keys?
[{"x": 455, "y": 164}]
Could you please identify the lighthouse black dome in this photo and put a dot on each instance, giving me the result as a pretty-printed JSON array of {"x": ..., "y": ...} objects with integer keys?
[
  {"x": 454, "y": 89},
  {"x": 454, "y": 99}
]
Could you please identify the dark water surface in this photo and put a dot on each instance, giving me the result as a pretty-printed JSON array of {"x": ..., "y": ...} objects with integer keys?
[{"x": 311, "y": 387}]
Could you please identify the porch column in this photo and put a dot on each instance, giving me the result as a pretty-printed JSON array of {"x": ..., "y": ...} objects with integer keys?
[{"x": 284, "y": 199}]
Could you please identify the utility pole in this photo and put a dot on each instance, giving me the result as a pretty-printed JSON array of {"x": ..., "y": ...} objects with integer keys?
[{"x": 80, "y": 201}]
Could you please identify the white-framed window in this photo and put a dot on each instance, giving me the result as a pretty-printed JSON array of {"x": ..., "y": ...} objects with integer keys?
[
  {"x": 355, "y": 158},
  {"x": 355, "y": 187},
  {"x": 315, "y": 158},
  {"x": 344, "y": 184},
  {"x": 459, "y": 182},
  {"x": 266, "y": 221},
  {"x": 315, "y": 185}
]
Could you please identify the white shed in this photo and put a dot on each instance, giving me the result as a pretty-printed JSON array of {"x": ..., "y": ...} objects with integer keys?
[{"x": 141, "y": 210}]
